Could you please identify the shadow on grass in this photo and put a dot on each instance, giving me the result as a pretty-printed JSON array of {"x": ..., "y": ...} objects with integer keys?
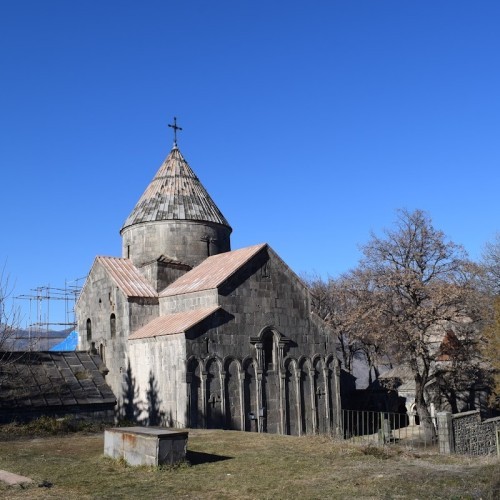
[{"x": 198, "y": 457}]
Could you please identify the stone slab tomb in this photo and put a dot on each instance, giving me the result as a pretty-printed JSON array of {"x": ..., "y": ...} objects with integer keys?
[{"x": 146, "y": 445}]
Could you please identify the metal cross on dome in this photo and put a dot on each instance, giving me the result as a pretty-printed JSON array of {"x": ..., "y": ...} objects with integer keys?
[{"x": 176, "y": 128}]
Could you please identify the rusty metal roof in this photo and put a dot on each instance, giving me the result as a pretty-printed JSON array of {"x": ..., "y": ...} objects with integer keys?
[
  {"x": 127, "y": 277},
  {"x": 212, "y": 272},
  {"x": 175, "y": 193},
  {"x": 173, "y": 323}
]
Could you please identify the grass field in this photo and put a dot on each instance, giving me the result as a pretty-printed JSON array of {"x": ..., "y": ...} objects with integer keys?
[{"x": 227, "y": 464}]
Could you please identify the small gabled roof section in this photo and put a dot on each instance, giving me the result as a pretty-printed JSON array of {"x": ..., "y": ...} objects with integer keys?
[
  {"x": 212, "y": 272},
  {"x": 171, "y": 324},
  {"x": 175, "y": 193},
  {"x": 127, "y": 277},
  {"x": 449, "y": 348}
]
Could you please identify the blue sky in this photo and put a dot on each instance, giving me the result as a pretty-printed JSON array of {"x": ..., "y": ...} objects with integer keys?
[{"x": 309, "y": 123}]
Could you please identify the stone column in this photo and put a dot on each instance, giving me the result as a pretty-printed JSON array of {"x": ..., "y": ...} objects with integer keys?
[
  {"x": 189, "y": 379},
  {"x": 241, "y": 379},
  {"x": 445, "y": 432},
  {"x": 313, "y": 402},
  {"x": 223, "y": 398},
  {"x": 260, "y": 417},
  {"x": 282, "y": 397},
  {"x": 259, "y": 372},
  {"x": 203, "y": 382},
  {"x": 497, "y": 437},
  {"x": 329, "y": 424},
  {"x": 281, "y": 381},
  {"x": 260, "y": 357},
  {"x": 337, "y": 404},
  {"x": 296, "y": 379}
]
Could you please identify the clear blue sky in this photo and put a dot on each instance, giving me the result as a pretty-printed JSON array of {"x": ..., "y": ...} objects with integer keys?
[{"x": 309, "y": 123}]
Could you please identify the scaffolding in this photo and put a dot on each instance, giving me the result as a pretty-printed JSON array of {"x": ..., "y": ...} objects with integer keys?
[{"x": 41, "y": 329}]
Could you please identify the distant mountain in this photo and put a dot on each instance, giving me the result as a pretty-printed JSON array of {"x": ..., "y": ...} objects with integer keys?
[{"x": 34, "y": 340}]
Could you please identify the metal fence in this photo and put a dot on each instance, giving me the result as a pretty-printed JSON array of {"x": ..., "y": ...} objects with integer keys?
[{"x": 384, "y": 428}]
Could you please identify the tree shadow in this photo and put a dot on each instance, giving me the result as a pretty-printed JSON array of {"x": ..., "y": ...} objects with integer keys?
[
  {"x": 155, "y": 415},
  {"x": 147, "y": 411},
  {"x": 199, "y": 457},
  {"x": 130, "y": 406}
]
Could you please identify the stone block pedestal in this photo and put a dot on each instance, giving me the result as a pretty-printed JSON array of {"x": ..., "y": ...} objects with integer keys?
[{"x": 146, "y": 445}]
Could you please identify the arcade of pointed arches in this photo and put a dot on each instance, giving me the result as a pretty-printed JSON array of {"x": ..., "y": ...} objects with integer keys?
[{"x": 268, "y": 392}]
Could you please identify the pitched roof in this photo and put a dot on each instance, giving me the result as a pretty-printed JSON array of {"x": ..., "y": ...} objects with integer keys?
[
  {"x": 173, "y": 323},
  {"x": 175, "y": 193},
  {"x": 212, "y": 272},
  {"x": 127, "y": 277},
  {"x": 41, "y": 379},
  {"x": 449, "y": 348},
  {"x": 400, "y": 377}
]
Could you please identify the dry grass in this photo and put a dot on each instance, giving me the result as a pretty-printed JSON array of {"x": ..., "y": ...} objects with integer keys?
[
  {"x": 48, "y": 426},
  {"x": 236, "y": 465}
]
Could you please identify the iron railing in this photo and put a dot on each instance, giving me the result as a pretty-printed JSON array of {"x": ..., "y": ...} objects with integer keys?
[{"x": 383, "y": 428}]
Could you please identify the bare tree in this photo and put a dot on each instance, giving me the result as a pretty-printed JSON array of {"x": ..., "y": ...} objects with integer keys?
[
  {"x": 333, "y": 303},
  {"x": 339, "y": 303},
  {"x": 9, "y": 317},
  {"x": 412, "y": 282},
  {"x": 491, "y": 332},
  {"x": 491, "y": 265}
]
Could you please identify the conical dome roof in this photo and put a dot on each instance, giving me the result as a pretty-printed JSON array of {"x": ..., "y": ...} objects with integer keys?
[{"x": 175, "y": 193}]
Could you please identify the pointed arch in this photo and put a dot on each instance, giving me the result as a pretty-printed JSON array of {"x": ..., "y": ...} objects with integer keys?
[
  {"x": 321, "y": 395},
  {"x": 332, "y": 372},
  {"x": 102, "y": 352},
  {"x": 89, "y": 329},
  {"x": 196, "y": 410},
  {"x": 306, "y": 396},
  {"x": 271, "y": 346},
  {"x": 233, "y": 393},
  {"x": 112, "y": 325},
  {"x": 292, "y": 397},
  {"x": 214, "y": 393},
  {"x": 213, "y": 358},
  {"x": 250, "y": 403}
]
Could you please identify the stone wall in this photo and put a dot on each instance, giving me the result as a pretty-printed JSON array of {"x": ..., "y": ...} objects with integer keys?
[
  {"x": 473, "y": 436},
  {"x": 155, "y": 386},
  {"x": 99, "y": 300},
  {"x": 268, "y": 363},
  {"x": 188, "y": 301},
  {"x": 189, "y": 242}
]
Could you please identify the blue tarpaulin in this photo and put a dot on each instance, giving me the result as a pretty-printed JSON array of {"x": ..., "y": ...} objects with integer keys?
[{"x": 70, "y": 343}]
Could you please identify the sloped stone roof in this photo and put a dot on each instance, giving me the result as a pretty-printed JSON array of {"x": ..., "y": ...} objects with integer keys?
[
  {"x": 212, "y": 272},
  {"x": 127, "y": 277},
  {"x": 173, "y": 323},
  {"x": 175, "y": 193},
  {"x": 34, "y": 380}
]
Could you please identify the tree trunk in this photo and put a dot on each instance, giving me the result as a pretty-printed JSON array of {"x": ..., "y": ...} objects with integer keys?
[
  {"x": 346, "y": 354},
  {"x": 424, "y": 414}
]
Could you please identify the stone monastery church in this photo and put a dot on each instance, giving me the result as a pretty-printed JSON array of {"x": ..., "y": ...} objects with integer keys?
[{"x": 195, "y": 334}]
